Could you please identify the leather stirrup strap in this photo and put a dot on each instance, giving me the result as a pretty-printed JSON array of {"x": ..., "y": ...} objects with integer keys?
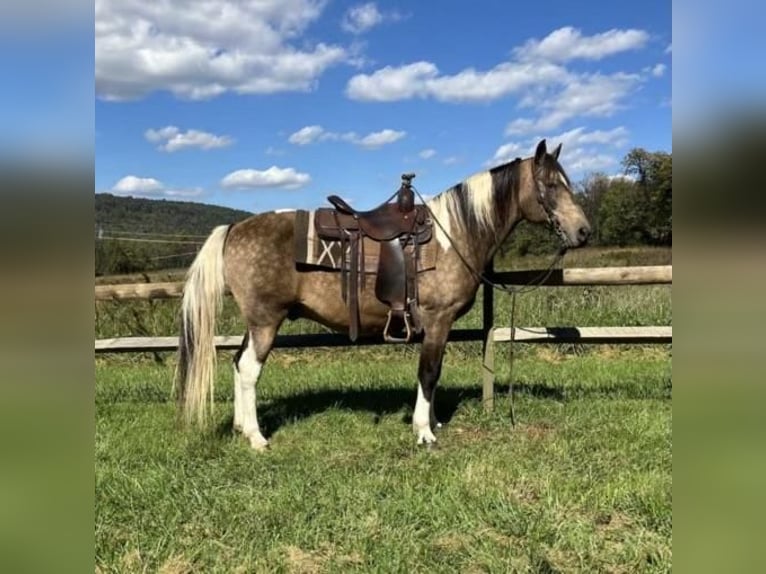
[{"x": 353, "y": 288}]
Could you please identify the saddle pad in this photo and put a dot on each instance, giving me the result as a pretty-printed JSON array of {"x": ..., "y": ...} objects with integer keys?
[{"x": 313, "y": 251}]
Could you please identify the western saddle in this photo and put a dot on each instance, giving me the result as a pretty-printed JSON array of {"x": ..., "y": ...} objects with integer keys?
[{"x": 400, "y": 228}]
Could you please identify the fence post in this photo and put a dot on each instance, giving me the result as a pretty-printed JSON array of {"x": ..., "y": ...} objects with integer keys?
[{"x": 488, "y": 350}]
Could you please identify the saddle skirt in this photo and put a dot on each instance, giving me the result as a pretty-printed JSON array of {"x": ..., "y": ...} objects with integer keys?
[{"x": 312, "y": 251}]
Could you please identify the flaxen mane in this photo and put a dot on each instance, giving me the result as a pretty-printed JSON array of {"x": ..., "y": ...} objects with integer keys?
[{"x": 480, "y": 203}]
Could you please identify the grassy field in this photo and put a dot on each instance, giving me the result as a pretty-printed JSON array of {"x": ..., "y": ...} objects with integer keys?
[{"x": 582, "y": 483}]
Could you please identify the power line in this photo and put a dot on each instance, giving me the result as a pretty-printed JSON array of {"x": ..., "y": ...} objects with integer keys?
[
  {"x": 144, "y": 240},
  {"x": 153, "y": 234},
  {"x": 189, "y": 254}
]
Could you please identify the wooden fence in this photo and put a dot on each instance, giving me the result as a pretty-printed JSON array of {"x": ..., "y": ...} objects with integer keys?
[{"x": 488, "y": 334}]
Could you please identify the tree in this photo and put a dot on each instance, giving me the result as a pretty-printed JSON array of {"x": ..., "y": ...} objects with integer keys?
[
  {"x": 621, "y": 214},
  {"x": 654, "y": 175},
  {"x": 636, "y": 209},
  {"x": 590, "y": 195}
]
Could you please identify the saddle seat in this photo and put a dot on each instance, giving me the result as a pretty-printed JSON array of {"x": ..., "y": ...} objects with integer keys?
[{"x": 400, "y": 228}]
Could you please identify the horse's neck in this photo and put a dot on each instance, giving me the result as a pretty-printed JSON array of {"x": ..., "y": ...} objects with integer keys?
[{"x": 482, "y": 246}]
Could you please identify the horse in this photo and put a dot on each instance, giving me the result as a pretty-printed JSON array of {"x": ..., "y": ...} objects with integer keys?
[{"x": 249, "y": 257}]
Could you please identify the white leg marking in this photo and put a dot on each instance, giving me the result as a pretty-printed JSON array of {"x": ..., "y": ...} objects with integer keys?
[
  {"x": 421, "y": 419},
  {"x": 237, "y": 400},
  {"x": 249, "y": 372}
]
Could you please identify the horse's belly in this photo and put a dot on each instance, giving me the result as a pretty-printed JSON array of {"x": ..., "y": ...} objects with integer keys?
[{"x": 321, "y": 300}]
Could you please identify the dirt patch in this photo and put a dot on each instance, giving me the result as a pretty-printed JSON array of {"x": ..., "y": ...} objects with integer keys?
[
  {"x": 561, "y": 560},
  {"x": 452, "y": 542},
  {"x": 525, "y": 493},
  {"x": 465, "y": 435},
  {"x": 549, "y": 354},
  {"x": 613, "y": 521},
  {"x": 538, "y": 431},
  {"x": 500, "y": 538},
  {"x": 608, "y": 352},
  {"x": 301, "y": 561},
  {"x": 176, "y": 565},
  {"x": 131, "y": 561}
]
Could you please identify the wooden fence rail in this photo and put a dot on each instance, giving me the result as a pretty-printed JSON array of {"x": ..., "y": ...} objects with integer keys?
[
  {"x": 488, "y": 334},
  {"x": 582, "y": 335}
]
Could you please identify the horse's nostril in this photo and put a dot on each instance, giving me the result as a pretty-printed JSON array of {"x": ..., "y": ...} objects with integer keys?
[{"x": 583, "y": 233}]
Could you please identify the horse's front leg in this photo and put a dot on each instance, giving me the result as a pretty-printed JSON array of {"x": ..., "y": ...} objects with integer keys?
[{"x": 429, "y": 370}]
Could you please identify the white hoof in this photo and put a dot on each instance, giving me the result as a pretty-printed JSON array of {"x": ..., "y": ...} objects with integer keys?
[
  {"x": 257, "y": 441},
  {"x": 425, "y": 436}
]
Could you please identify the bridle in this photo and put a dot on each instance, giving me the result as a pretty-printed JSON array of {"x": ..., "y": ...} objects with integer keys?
[{"x": 550, "y": 214}]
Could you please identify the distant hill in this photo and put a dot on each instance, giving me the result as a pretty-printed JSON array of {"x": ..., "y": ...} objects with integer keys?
[
  {"x": 137, "y": 214},
  {"x": 134, "y": 235}
]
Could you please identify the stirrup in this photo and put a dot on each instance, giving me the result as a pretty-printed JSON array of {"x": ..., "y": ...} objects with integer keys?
[{"x": 388, "y": 338}]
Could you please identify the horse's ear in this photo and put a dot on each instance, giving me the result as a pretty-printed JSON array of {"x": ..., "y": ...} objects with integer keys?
[
  {"x": 556, "y": 152},
  {"x": 540, "y": 152}
]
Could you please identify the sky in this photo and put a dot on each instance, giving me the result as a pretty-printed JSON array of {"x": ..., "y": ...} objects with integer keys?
[{"x": 275, "y": 104}]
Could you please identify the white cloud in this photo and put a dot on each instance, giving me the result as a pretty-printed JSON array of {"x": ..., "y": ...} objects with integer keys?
[
  {"x": 622, "y": 177},
  {"x": 273, "y": 177},
  {"x": 138, "y": 185},
  {"x": 217, "y": 47},
  {"x": 659, "y": 70},
  {"x": 616, "y": 137},
  {"x": 520, "y": 126},
  {"x": 307, "y": 135},
  {"x": 507, "y": 152},
  {"x": 423, "y": 80},
  {"x": 172, "y": 139},
  {"x": 451, "y": 160},
  {"x": 669, "y": 49},
  {"x": 568, "y": 43},
  {"x": 150, "y": 187},
  {"x": 536, "y": 74},
  {"x": 361, "y": 18},
  {"x": 427, "y": 153},
  {"x": 582, "y": 161},
  {"x": 312, "y": 134},
  {"x": 592, "y": 95},
  {"x": 377, "y": 139}
]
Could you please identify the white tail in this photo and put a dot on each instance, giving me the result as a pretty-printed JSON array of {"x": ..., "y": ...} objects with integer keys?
[{"x": 203, "y": 295}]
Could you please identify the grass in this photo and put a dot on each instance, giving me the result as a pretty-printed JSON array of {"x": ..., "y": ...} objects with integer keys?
[{"x": 582, "y": 483}]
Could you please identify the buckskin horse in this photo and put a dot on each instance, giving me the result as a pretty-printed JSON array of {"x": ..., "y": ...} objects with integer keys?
[{"x": 249, "y": 257}]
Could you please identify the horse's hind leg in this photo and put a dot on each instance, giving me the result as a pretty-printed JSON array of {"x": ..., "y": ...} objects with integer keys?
[
  {"x": 238, "y": 383},
  {"x": 248, "y": 365}
]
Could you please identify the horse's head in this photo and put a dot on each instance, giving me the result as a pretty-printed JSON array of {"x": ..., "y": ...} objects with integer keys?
[{"x": 549, "y": 198}]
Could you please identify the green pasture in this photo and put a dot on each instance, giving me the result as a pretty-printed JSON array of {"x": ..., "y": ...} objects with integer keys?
[{"x": 582, "y": 483}]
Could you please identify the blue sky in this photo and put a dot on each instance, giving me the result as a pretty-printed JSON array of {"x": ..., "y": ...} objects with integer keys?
[{"x": 276, "y": 104}]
